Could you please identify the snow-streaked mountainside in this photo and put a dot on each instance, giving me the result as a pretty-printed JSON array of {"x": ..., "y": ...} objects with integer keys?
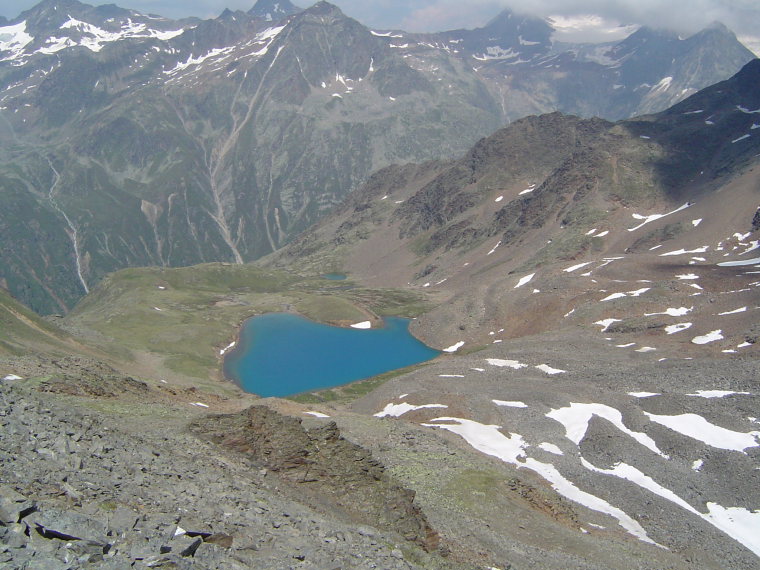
[
  {"x": 560, "y": 198},
  {"x": 132, "y": 140},
  {"x": 598, "y": 290}
]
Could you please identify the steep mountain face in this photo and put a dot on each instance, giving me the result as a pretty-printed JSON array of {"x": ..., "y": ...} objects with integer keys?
[
  {"x": 646, "y": 72},
  {"x": 132, "y": 140},
  {"x": 215, "y": 144}
]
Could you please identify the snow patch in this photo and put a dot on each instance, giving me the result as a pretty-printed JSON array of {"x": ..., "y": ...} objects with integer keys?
[
  {"x": 317, "y": 414},
  {"x": 682, "y": 251},
  {"x": 549, "y": 370},
  {"x": 578, "y": 266},
  {"x": 510, "y": 404},
  {"x": 653, "y": 217},
  {"x": 551, "y": 448},
  {"x": 506, "y": 363},
  {"x": 715, "y": 393},
  {"x": 635, "y": 293},
  {"x": 396, "y": 410},
  {"x": 528, "y": 190},
  {"x": 181, "y": 66},
  {"x": 577, "y": 416},
  {"x": 697, "y": 427},
  {"x": 671, "y": 312},
  {"x": 362, "y": 325},
  {"x": 14, "y": 39},
  {"x": 752, "y": 261},
  {"x": 712, "y": 336},
  {"x": 605, "y": 323},
  {"x": 454, "y": 347},
  {"x": 524, "y": 280},
  {"x": 662, "y": 85},
  {"x": 735, "y": 311},
  {"x": 678, "y": 327}
]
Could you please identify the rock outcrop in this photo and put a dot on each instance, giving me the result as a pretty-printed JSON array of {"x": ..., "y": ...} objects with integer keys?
[{"x": 332, "y": 472}]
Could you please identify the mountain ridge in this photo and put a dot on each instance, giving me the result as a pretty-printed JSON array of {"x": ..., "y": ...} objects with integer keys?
[
  {"x": 139, "y": 140},
  {"x": 543, "y": 180}
]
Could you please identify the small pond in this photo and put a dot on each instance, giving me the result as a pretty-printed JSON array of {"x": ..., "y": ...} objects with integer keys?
[{"x": 280, "y": 354}]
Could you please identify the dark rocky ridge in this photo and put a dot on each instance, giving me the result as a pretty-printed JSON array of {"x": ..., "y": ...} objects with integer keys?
[{"x": 331, "y": 473}]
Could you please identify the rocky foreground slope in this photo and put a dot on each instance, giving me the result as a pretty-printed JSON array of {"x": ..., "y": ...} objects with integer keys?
[{"x": 84, "y": 485}]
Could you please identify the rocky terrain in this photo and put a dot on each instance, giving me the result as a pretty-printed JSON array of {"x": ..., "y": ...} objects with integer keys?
[
  {"x": 597, "y": 299},
  {"x": 85, "y": 486}
]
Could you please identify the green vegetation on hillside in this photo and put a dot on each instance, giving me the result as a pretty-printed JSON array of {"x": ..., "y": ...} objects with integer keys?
[
  {"x": 22, "y": 331},
  {"x": 184, "y": 317}
]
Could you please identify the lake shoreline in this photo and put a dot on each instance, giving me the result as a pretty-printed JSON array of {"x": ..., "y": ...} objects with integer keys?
[{"x": 345, "y": 358}]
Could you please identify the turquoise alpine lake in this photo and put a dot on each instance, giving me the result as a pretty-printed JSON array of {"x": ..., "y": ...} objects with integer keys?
[{"x": 281, "y": 354}]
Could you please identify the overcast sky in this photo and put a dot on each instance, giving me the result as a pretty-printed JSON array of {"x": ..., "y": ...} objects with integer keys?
[{"x": 686, "y": 16}]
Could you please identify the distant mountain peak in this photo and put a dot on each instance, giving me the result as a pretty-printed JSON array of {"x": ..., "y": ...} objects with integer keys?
[
  {"x": 717, "y": 29},
  {"x": 505, "y": 15},
  {"x": 56, "y": 5},
  {"x": 325, "y": 8},
  {"x": 509, "y": 19},
  {"x": 646, "y": 32},
  {"x": 530, "y": 29},
  {"x": 719, "y": 26},
  {"x": 273, "y": 10}
]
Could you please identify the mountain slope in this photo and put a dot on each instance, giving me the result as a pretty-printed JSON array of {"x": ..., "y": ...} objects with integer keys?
[
  {"x": 593, "y": 286},
  {"x": 134, "y": 140},
  {"x": 597, "y": 302},
  {"x": 150, "y": 152},
  {"x": 548, "y": 191}
]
